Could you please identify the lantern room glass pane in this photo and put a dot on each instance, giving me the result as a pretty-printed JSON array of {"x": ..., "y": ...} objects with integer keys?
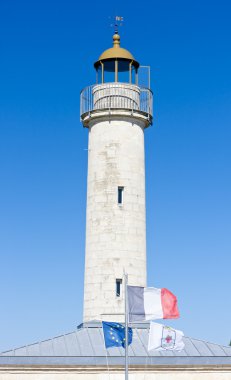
[
  {"x": 109, "y": 71},
  {"x": 109, "y": 66},
  {"x": 123, "y": 65},
  {"x": 123, "y": 71}
]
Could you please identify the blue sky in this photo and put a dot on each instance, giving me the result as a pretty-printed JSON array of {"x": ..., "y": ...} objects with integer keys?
[{"x": 47, "y": 50}]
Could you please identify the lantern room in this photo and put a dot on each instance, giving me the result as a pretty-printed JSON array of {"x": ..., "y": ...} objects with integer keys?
[
  {"x": 118, "y": 87},
  {"x": 116, "y": 65}
]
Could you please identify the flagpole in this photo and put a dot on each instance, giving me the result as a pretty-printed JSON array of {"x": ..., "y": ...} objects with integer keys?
[{"x": 126, "y": 325}]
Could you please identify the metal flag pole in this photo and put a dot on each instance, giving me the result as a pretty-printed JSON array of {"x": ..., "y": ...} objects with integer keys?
[{"x": 126, "y": 325}]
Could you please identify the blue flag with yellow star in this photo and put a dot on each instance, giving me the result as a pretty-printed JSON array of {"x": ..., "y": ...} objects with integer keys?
[{"x": 114, "y": 334}]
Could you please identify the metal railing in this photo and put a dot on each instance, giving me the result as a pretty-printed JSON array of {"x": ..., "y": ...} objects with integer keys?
[{"x": 116, "y": 95}]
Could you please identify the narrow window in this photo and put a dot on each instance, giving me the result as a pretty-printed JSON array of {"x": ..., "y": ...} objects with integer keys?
[
  {"x": 118, "y": 287},
  {"x": 120, "y": 195}
]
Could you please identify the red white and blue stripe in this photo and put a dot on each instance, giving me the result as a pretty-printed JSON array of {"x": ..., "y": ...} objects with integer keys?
[{"x": 145, "y": 304}]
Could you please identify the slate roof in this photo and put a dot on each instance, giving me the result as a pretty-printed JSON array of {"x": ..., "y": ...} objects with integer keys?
[{"x": 85, "y": 346}]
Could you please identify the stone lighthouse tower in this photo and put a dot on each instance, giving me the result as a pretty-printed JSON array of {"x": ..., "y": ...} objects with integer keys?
[{"x": 116, "y": 111}]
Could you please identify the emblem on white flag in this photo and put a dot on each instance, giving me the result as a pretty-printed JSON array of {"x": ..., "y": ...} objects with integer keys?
[
  {"x": 168, "y": 338},
  {"x": 164, "y": 338}
]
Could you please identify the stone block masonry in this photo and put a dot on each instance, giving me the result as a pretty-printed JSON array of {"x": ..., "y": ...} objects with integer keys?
[{"x": 116, "y": 228}]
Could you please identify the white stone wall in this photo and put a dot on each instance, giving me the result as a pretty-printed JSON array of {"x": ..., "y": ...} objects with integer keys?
[
  {"x": 115, "y": 234},
  {"x": 75, "y": 374}
]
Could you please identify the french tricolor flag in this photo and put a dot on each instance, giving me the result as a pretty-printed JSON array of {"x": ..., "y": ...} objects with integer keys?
[{"x": 145, "y": 304}]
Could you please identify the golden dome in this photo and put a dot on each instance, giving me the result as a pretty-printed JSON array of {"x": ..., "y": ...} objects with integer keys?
[{"x": 116, "y": 52}]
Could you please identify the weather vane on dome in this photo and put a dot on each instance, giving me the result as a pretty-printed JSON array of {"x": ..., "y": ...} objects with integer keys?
[{"x": 118, "y": 21}]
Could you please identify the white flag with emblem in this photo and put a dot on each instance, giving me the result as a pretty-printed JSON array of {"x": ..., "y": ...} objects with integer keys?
[{"x": 164, "y": 338}]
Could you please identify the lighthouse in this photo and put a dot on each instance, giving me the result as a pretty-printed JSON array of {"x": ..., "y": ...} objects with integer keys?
[{"x": 116, "y": 110}]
